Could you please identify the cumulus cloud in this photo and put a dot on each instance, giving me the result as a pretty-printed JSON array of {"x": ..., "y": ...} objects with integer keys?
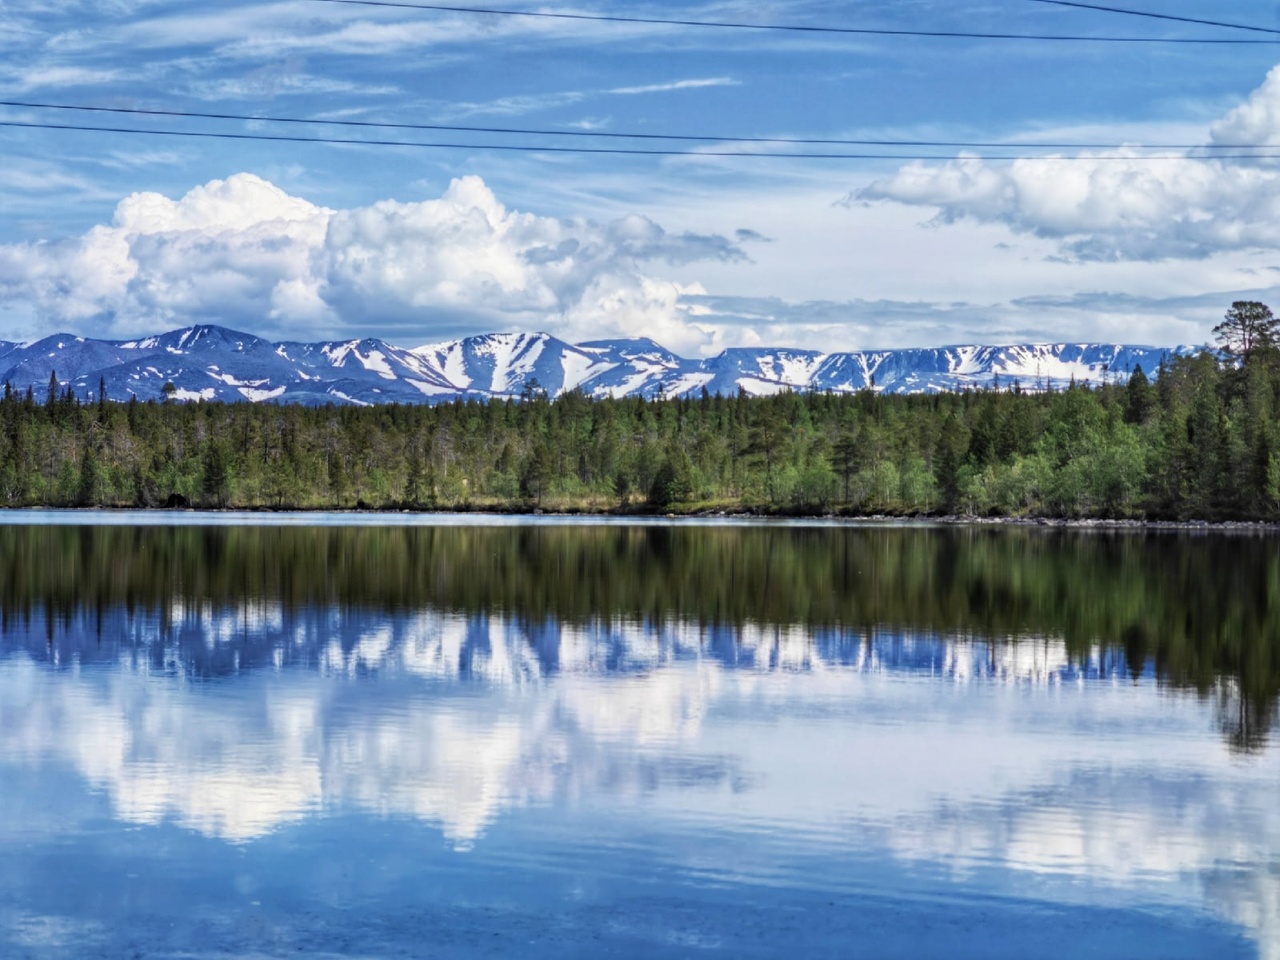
[
  {"x": 1256, "y": 121},
  {"x": 1117, "y": 205},
  {"x": 1100, "y": 208},
  {"x": 242, "y": 251},
  {"x": 216, "y": 254}
]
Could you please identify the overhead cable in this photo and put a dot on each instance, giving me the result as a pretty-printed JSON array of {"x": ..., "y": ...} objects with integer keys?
[
  {"x": 702, "y": 138},
  {"x": 1158, "y": 16},
  {"x": 624, "y": 151},
  {"x": 790, "y": 28}
]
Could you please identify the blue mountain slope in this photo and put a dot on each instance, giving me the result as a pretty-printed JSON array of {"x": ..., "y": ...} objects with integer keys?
[
  {"x": 209, "y": 362},
  {"x": 73, "y": 358}
]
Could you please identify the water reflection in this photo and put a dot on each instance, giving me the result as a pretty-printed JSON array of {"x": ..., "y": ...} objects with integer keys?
[
  {"x": 1014, "y": 714},
  {"x": 1201, "y": 612}
]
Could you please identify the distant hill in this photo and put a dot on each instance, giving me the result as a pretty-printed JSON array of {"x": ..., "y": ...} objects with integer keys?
[{"x": 210, "y": 362}]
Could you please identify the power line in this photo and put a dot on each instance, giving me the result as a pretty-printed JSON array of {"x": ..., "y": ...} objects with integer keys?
[
  {"x": 696, "y": 138},
  {"x": 791, "y": 28},
  {"x": 615, "y": 151},
  {"x": 1157, "y": 16}
]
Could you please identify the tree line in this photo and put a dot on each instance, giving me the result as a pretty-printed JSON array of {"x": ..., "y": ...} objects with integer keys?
[{"x": 1198, "y": 438}]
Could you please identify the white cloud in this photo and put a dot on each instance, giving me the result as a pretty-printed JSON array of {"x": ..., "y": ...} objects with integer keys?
[
  {"x": 1115, "y": 206},
  {"x": 242, "y": 251},
  {"x": 1102, "y": 207},
  {"x": 1256, "y": 121},
  {"x": 265, "y": 30},
  {"x": 529, "y": 103},
  {"x": 676, "y": 85},
  {"x": 46, "y": 77}
]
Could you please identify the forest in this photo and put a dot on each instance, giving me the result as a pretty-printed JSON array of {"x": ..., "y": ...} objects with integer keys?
[{"x": 1198, "y": 438}]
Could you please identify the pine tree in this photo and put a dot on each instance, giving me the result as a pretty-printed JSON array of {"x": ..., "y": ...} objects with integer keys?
[{"x": 1247, "y": 326}]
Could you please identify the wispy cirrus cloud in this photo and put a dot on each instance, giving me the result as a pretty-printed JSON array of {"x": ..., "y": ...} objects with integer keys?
[
  {"x": 289, "y": 78},
  {"x": 266, "y": 30},
  {"x": 531, "y": 103},
  {"x": 46, "y": 77},
  {"x": 694, "y": 84}
]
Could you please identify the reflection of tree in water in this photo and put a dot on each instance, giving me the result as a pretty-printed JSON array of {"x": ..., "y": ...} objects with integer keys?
[
  {"x": 1201, "y": 612},
  {"x": 1244, "y": 718}
]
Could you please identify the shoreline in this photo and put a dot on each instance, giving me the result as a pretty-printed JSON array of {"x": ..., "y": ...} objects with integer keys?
[{"x": 640, "y": 517}]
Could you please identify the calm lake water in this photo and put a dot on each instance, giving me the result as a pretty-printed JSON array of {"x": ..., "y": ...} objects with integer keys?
[{"x": 240, "y": 737}]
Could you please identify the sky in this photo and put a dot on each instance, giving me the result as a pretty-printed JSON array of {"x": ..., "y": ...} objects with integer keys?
[{"x": 118, "y": 234}]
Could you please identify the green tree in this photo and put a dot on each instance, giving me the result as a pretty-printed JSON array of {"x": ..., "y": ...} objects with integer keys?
[
  {"x": 846, "y": 458},
  {"x": 1247, "y": 326},
  {"x": 952, "y": 451},
  {"x": 1139, "y": 397},
  {"x": 673, "y": 483},
  {"x": 537, "y": 474},
  {"x": 216, "y": 483}
]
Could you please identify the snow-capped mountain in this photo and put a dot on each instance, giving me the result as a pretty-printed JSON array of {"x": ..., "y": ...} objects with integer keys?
[{"x": 213, "y": 363}]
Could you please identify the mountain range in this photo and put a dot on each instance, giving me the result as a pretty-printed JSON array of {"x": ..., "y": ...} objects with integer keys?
[{"x": 210, "y": 362}]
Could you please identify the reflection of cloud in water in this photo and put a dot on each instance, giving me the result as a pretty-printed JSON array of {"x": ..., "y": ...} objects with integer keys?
[
  {"x": 662, "y": 707},
  {"x": 229, "y": 768},
  {"x": 451, "y": 720},
  {"x": 450, "y": 768},
  {"x": 237, "y": 761},
  {"x": 1139, "y": 825}
]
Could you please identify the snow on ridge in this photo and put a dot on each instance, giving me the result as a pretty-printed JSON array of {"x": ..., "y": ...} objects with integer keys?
[
  {"x": 1045, "y": 362},
  {"x": 376, "y": 362},
  {"x": 232, "y": 381},
  {"x": 794, "y": 368},
  {"x": 455, "y": 367},
  {"x": 514, "y": 354},
  {"x": 579, "y": 367},
  {"x": 208, "y": 393},
  {"x": 687, "y": 383},
  {"x": 349, "y": 399},
  {"x": 629, "y": 386},
  {"x": 504, "y": 364},
  {"x": 965, "y": 359},
  {"x": 430, "y": 389},
  {"x": 757, "y": 387},
  {"x": 338, "y": 352}
]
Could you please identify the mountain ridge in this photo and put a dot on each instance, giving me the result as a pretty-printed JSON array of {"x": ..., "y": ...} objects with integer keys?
[{"x": 212, "y": 362}]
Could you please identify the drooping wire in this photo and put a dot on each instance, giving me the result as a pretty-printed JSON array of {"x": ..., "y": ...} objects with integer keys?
[
  {"x": 791, "y": 28},
  {"x": 616, "y": 151},
  {"x": 697, "y": 138},
  {"x": 1158, "y": 16}
]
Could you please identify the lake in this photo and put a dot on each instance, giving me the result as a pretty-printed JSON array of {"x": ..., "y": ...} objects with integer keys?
[{"x": 336, "y": 736}]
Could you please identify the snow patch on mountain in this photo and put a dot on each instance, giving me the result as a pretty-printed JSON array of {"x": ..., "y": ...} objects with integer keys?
[{"x": 208, "y": 362}]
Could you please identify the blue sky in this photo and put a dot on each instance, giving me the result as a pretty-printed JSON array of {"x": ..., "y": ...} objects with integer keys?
[{"x": 112, "y": 234}]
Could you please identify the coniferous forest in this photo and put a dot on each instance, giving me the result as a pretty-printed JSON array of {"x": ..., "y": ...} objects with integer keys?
[{"x": 1198, "y": 438}]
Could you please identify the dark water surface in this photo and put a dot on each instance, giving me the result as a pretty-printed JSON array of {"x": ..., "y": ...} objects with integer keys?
[{"x": 233, "y": 738}]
